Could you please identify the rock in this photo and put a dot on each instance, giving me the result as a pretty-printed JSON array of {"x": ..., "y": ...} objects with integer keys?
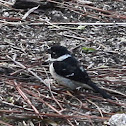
[{"x": 118, "y": 120}]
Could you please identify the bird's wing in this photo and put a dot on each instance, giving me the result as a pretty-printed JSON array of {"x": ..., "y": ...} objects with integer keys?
[{"x": 72, "y": 72}]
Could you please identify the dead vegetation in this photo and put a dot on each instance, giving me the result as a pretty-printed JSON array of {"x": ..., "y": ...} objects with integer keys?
[{"x": 28, "y": 94}]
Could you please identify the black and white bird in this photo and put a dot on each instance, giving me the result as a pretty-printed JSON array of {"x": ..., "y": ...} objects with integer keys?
[{"x": 66, "y": 70}]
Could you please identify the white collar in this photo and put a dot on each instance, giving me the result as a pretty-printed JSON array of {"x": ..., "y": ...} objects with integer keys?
[{"x": 61, "y": 58}]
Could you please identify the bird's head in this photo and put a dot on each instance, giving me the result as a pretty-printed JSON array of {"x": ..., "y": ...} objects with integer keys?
[{"x": 58, "y": 51}]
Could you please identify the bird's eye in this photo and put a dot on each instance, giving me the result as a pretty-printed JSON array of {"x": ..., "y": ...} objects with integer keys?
[{"x": 54, "y": 54}]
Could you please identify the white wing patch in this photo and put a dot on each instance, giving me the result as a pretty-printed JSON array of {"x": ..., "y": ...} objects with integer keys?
[
  {"x": 70, "y": 75},
  {"x": 82, "y": 69},
  {"x": 63, "y": 69}
]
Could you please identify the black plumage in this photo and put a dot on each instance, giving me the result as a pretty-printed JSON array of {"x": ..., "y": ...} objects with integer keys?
[{"x": 66, "y": 69}]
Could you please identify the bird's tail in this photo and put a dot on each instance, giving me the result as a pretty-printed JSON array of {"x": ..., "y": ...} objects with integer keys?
[{"x": 99, "y": 90}]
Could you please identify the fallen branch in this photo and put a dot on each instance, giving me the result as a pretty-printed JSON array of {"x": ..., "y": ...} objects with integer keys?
[{"x": 28, "y": 69}]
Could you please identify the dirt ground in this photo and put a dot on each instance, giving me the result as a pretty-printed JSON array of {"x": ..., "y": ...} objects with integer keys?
[{"x": 101, "y": 50}]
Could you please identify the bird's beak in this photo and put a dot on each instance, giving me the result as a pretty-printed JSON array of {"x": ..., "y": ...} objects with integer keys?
[{"x": 49, "y": 51}]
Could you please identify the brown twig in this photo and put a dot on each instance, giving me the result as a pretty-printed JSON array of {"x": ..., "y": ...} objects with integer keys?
[
  {"x": 3, "y": 123},
  {"x": 28, "y": 69},
  {"x": 26, "y": 98}
]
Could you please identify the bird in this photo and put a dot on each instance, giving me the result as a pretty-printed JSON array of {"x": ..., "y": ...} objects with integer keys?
[{"x": 66, "y": 70}]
